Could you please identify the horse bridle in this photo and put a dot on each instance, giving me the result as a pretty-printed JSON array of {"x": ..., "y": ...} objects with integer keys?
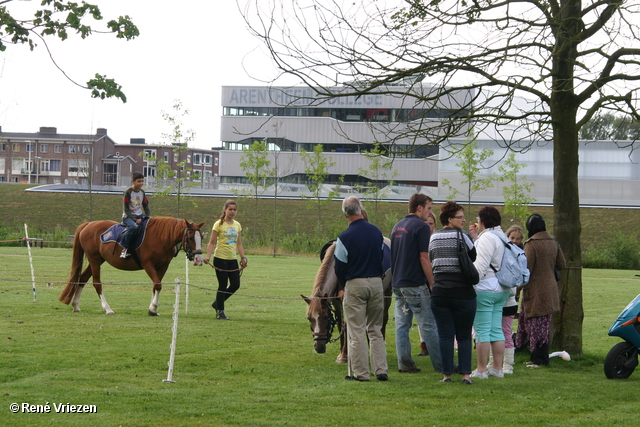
[
  {"x": 334, "y": 319},
  {"x": 187, "y": 247}
]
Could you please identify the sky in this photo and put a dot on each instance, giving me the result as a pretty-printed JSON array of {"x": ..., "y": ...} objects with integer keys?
[{"x": 187, "y": 50}]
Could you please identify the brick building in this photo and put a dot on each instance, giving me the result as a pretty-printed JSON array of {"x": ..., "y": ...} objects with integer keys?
[{"x": 48, "y": 157}]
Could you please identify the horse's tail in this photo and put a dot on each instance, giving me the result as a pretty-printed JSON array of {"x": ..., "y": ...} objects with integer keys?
[{"x": 76, "y": 268}]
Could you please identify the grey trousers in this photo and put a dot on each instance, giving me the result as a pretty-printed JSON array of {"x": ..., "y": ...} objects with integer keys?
[{"x": 363, "y": 309}]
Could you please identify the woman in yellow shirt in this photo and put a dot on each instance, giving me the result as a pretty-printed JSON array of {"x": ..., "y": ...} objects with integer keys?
[{"x": 226, "y": 245}]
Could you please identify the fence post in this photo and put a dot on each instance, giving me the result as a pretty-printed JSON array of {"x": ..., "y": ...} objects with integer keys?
[
  {"x": 186, "y": 286},
  {"x": 176, "y": 308},
  {"x": 33, "y": 276}
]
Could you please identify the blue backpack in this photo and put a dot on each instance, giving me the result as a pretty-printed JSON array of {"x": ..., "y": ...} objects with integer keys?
[{"x": 513, "y": 269}]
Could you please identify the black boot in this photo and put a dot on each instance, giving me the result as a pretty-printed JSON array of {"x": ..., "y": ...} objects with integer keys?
[
  {"x": 220, "y": 315},
  {"x": 540, "y": 355}
]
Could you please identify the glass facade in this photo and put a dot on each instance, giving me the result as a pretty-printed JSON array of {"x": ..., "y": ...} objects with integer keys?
[{"x": 343, "y": 114}]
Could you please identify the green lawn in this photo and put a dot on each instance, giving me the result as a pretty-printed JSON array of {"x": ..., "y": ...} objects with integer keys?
[{"x": 260, "y": 368}]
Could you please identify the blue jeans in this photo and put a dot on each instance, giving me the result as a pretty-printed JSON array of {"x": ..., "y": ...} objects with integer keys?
[
  {"x": 455, "y": 321},
  {"x": 410, "y": 302},
  {"x": 132, "y": 230}
]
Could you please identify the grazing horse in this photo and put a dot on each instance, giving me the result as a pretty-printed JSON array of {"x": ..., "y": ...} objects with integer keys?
[
  {"x": 159, "y": 247},
  {"x": 324, "y": 310}
]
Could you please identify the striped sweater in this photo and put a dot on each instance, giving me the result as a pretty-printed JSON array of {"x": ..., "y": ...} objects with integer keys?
[{"x": 443, "y": 251}]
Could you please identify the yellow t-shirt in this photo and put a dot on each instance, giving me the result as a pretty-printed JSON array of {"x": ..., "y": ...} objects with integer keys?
[{"x": 227, "y": 239}]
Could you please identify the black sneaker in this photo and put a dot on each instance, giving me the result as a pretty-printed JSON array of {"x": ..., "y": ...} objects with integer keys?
[
  {"x": 220, "y": 315},
  {"x": 382, "y": 377}
]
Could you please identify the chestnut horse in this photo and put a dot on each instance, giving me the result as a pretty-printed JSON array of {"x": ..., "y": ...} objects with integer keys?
[
  {"x": 159, "y": 247},
  {"x": 324, "y": 310}
]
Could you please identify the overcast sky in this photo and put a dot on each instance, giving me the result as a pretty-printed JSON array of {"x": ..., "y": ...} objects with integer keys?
[{"x": 186, "y": 50}]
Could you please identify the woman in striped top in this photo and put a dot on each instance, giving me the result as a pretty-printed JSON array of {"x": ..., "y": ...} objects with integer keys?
[{"x": 453, "y": 300}]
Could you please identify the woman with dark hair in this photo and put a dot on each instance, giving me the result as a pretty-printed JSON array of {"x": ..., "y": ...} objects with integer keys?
[
  {"x": 540, "y": 296},
  {"x": 453, "y": 300},
  {"x": 491, "y": 295}
]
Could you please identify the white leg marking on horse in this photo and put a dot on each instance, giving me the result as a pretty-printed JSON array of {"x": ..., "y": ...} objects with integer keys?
[
  {"x": 153, "y": 307},
  {"x": 105, "y": 305},
  {"x": 75, "y": 303}
]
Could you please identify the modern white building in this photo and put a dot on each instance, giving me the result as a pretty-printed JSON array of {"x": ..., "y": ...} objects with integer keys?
[{"x": 291, "y": 119}]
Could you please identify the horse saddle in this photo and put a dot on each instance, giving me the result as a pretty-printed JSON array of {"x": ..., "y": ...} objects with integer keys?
[{"x": 117, "y": 232}]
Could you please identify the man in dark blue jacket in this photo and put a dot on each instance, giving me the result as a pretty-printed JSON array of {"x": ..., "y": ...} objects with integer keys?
[
  {"x": 358, "y": 265},
  {"x": 412, "y": 276}
]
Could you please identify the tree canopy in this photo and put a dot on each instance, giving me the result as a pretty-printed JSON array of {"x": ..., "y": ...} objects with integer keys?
[
  {"x": 57, "y": 19},
  {"x": 525, "y": 72}
]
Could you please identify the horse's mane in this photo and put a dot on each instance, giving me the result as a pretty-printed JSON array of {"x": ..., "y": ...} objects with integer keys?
[
  {"x": 320, "y": 289},
  {"x": 326, "y": 269},
  {"x": 167, "y": 225}
]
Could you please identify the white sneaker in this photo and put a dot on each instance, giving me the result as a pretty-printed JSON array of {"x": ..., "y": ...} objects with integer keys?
[
  {"x": 480, "y": 375},
  {"x": 498, "y": 373}
]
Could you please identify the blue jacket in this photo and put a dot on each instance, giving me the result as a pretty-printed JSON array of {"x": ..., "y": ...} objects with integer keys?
[{"x": 359, "y": 252}]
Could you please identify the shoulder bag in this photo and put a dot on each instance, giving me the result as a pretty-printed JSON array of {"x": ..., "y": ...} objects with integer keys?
[{"x": 469, "y": 272}]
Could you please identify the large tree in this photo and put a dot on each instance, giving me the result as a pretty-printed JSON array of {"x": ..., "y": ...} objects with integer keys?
[
  {"x": 57, "y": 19},
  {"x": 570, "y": 58}
]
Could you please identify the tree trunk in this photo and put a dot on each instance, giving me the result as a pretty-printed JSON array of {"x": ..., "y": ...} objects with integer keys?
[
  {"x": 566, "y": 328},
  {"x": 566, "y": 331}
]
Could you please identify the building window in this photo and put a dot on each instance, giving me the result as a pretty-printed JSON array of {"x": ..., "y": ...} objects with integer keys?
[
  {"x": 57, "y": 149},
  {"x": 175, "y": 157},
  {"x": 149, "y": 155},
  {"x": 188, "y": 158},
  {"x": 72, "y": 149},
  {"x": 44, "y": 148},
  {"x": 3, "y": 146},
  {"x": 86, "y": 149},
  {"x": 29, "y": 147},
  {"x": 149, "y": 171},
  {"x": 207, "y": 159},
  {"x": 166, "y": 157},
  {"x": 16, "y": 147},
  {"x": 110, "y": 175},
  {"x": 55, "y": 165},
  {"x": 44, "y": 165},
  {"x": 78, "y": 166},
  {"x": 197, "y": 159},
  {"x": 216, "y": 161}
]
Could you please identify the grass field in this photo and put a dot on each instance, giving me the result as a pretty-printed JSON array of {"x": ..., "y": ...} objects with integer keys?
[{"x": 259, "y": 369}]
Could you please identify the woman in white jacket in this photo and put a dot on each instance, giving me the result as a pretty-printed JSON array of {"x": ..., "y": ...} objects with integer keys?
[{"x": 491, "y": 296}]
